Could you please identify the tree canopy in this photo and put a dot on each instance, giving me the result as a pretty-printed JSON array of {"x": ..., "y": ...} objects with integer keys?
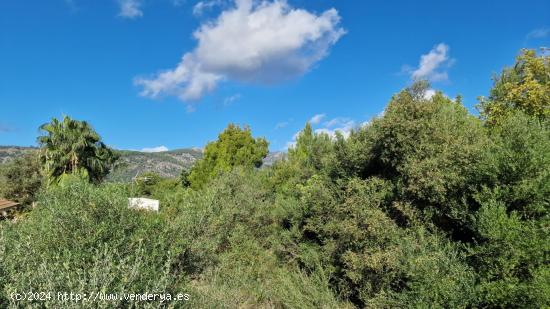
[
  {"x": 70, "y": 146},
  {"x": 525, "y": 86},
  {"x": 235, "y": 147}
]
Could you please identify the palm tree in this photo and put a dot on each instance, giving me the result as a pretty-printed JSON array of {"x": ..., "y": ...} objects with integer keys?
[{"x": 70, "y": 146}]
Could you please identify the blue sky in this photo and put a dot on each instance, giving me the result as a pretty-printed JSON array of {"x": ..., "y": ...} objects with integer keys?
[{"x": 166, "y": 74}]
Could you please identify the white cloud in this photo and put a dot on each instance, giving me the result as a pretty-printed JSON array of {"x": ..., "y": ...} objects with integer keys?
[
  {"x": 332, "y": 132},
  {"x": 433, "y": 65},
  {"x": 201, "y": 6},
  {"x": 339, "y": 122},
  {"x": 317, "y": 118},
  {"x": 343, "y": 125},
  {"x": 253, "y": 42},
  {"x": 330, "y": 127},
  {"x": 155, "y": 149},
  {"x": 538, "y": 33},
  {"x": 429, "y": 94},
  {"x": 292, "y": 143},
  {"x": 231, "y": 99},
  {"x": 130, "y": 8}
]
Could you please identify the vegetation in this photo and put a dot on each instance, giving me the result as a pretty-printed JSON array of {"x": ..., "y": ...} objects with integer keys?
[
  {"x": 525, "y": 87},
  {"x": 426, "y": 206},
  {"x": 70, "y": 146},
  {"x": 234, "y": 147},
  {"x": 132, "y": 163},
  {"x": 21, "y": 179},
  {"x": 84, "y": 238}
]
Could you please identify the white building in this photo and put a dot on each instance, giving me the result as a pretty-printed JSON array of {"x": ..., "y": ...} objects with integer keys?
[{"x": 143, "y": 203}]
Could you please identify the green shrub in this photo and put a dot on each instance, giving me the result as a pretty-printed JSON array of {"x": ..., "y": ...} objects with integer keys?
[
  {"x": 21, "y": 179},
  {"x": 373, "y": 261},
  {"x": 84, "y": 239},
  {"x": 233, "y": 237},
  {"x": 519, "y": 165},
  {"x": 250, "y": 276},
  {"x": 431, "y": 149},
  {"x": 4, "y": 300}
]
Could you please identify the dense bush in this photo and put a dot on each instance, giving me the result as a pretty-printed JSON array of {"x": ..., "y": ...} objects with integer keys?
[
  {"x": 151, "y": 184},
  {"x": 21, "y": 179},
  {"x": 373, "y": 261},
  {"x": 234, "y": 241},
  {"x": 434, "y": 176},
  {"x": 511, "y": 227},
  {"x": 84, "y": 239},
  {"x": 430, "y": 149}
]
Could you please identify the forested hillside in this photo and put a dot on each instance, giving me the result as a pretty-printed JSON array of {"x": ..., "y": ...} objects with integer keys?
[{"x": 425, "y": 206}]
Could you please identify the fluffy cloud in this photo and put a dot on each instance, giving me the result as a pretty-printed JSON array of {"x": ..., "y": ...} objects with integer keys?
[
  {"x": 329, "y": 127},
  {"x": 252, "y": 42},
  {"x": 155, "y": 149},
  {"x": 130, "y": 8},
  {"x": 433, "y": 65},
  {"x": 339, "y": 122},
  {"x": 317, "y": 118},
  {"x": 429, "y": 94},
  {"x": 343, "y": 125}
]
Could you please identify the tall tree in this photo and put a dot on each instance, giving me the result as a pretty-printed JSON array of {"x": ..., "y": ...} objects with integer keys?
[
  {"x": 524, "y": 87},
  {"x": 311, "y": 148},
  {"x": 234, "y": 147},
  {"x": 311, "y": 154},
  {"x": 73, "y": 147}
]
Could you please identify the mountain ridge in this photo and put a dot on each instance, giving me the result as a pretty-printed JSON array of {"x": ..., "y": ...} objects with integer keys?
[{"x": 168, "y": 163}]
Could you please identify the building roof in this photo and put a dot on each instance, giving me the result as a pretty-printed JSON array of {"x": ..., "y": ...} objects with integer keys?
[{"x": 5, "y": 204}]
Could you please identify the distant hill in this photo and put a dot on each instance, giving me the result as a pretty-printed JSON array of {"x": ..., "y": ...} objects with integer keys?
[
  {"x": 273, "y": 157},
  {"x": 9, "y": 152},
  {"x": 167, "y": 163}
]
